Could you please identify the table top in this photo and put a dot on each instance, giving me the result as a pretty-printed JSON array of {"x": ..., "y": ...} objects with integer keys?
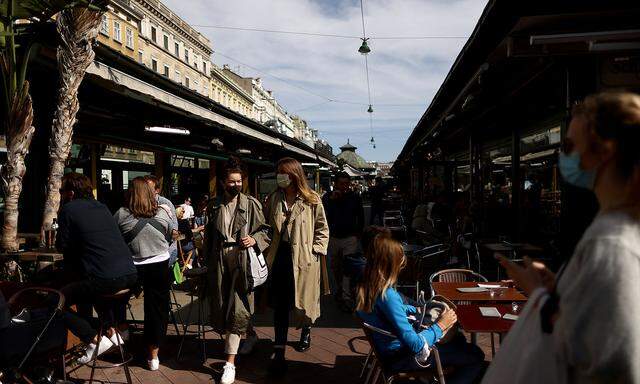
[
  {"x": 472, "y": 321},
  {"x": 36, "y": 255},
  {"x": 450, "y": 291},
  {"x": 505, "y": 247}
]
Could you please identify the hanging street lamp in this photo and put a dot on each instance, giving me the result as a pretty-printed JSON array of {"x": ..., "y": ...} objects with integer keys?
[
  {"x": 364, "y": 48},
  {"x": 370, "y": 109}
]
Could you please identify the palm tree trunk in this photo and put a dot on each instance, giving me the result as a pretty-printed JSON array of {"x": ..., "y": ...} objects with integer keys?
[
  {"x": 78, "y": 27},
  {"x": 19, "y": 135}
]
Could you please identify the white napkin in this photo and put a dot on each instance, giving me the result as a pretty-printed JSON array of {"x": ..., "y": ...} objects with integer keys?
[
  {"x": 485, "y": 285},
  {"x": 472, "y": 289},
  {"x": 490, "y": 312},
  {"x": 510, "y": 316}
]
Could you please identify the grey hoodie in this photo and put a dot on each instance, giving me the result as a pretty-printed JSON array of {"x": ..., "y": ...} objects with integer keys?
[{"x": 149, "y": 242}]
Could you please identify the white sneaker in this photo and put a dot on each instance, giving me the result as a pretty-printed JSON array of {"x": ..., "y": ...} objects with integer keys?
[
  {"x": 228, "y": 374},
  {"x": 154, "y": 364},
  {"x": 105, "y": 345},
  {"x": 248, "y": 344},
  {"x": 117, "y": 339}
]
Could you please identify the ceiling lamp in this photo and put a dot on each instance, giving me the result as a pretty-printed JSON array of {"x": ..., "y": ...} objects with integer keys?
[
  {"x": 364, "y": 48},
  {"x": 174, "y": 131},
  {"x": 370, "y": 109}
]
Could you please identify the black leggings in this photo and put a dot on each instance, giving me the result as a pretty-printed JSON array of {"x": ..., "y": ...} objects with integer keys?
[
  {"x": 154, "y": 278},
  {"x": 282, "y": 291}
]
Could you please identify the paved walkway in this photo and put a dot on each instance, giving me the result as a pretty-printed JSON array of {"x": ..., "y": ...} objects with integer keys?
[{"x": 337, "y": 354}]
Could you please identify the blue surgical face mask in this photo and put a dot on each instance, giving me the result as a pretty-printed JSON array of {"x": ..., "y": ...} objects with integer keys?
[{"x": 573, "y": 174}]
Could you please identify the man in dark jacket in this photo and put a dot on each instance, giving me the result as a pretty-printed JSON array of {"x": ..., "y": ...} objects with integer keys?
[
  {"x": 95, "y": 254},
  {"x": 345, "y": 215}
]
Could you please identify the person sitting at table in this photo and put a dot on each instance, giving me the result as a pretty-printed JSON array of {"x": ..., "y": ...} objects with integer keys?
[
  {"x": 380, "y": 305},
  {"x": 184, "y": 228},
  {"x": 95, "y": 255}
]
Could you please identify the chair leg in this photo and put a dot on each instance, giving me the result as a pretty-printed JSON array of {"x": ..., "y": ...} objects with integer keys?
[
  {"x": 493, "y": 345},
  {"x": 372, "y": 369},
  {"x": 201, "y": 333},
  {"x": 376, "y": 376},
  {"x": 94, "y": 358},
  {"x": 185, "y": 328},
  {"x": 64, "y": 367},
  {"x": 366, "y": 363},
  {"x": 436, "y": 357},
  {"x": 125, "y": 364}
]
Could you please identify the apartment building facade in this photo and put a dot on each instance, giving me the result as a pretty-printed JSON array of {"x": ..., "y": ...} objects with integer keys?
[
  {"x": 171, "y": 47},
  {"x": 119, "y": 29},
  {"x": 226, "y": 89}
]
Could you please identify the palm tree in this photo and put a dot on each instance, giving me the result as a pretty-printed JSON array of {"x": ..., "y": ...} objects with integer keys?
[
  {"x": 78, "y": 28},
  {"x": 23, "y": 19}
]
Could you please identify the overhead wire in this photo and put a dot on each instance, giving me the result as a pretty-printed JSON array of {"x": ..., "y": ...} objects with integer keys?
[
  {"x": 366, "y": 67},
  {"x": 318, "y": 34}
]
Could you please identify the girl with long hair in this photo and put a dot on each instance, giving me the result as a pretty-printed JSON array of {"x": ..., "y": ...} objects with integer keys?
[
  {"x": 147, "y": 228},
  {"x": 381, "y": 305},
  {"x": 300, "y": 239},
  {"x": 235, "y": 224}
]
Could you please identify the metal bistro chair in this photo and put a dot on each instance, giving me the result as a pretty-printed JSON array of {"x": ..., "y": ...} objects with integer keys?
[
  {"x": 377, "y": 367},
  {"x": 197, "y": 277},
  {"x": 455, "y": 276},
  {"x": 413, "y": 274},
  {"x": 125, "y": 357}
]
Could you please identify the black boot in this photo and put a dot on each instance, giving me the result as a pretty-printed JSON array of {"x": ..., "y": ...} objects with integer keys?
[
  {"x": 305, "y": 340},
  {"x": 278, "y": 365}
]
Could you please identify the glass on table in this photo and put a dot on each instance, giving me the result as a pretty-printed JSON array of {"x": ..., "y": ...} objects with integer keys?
[{"x": 514, "y": 307}]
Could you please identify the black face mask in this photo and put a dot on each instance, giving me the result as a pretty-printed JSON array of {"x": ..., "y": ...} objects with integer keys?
[{"x": 233, "y": 191}]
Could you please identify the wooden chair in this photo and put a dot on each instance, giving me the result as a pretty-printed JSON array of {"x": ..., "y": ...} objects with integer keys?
[
  {"x": 185, "y": 259},
  {"x": 378, "y": 368}
]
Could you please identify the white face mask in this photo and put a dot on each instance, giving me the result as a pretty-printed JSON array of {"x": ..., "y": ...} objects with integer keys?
[{"x": 283, "y": 180}]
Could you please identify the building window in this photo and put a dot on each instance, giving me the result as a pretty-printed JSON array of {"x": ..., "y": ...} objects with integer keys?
[
  {"x": 186, "y": 81},
  {"x": 140, "y": 57},
  {"x": 154, "y": 64},
  {"x": 195, "y": 64},
  {"x": 116, "y": 32},
  {"x": 186, "y": 55},
  {"x": 196, "y": 85},
  {"x": 129, "y": 37},
  {"x": 166, "y": 42},
  {"x": 166, "y": 70},
  {"x": 176, "y": 47},
  {"x": 153, "y": 33},
  {"x": 177, "y": 78},
  {"x": 104, "y": 27}
]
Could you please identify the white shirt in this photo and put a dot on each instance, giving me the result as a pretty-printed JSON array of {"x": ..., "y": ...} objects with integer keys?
[
  {"x": 188, "y": 211},
  {"x": 595, "y": 338}
]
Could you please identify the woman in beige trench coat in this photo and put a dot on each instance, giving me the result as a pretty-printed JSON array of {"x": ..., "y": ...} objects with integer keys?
[{"x": 299, "y": 243}]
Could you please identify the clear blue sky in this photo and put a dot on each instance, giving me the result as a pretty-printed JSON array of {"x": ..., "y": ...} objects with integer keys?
[{"x": 405, "y": 74}]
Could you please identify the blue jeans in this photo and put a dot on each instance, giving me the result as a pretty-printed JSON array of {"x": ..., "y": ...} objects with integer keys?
[{"x": 466, "y": 359}]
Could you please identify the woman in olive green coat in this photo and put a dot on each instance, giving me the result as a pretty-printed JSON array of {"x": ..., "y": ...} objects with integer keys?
[
  {"x": 236, "y": 223},
  {"x": 295, "y": 257}
]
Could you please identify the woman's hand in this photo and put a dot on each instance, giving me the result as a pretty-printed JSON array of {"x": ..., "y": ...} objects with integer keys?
[
  {"x": 248, "y": 241},
  {"x": 447, "y": 320},
  {"x": 529, "y": 277}
]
